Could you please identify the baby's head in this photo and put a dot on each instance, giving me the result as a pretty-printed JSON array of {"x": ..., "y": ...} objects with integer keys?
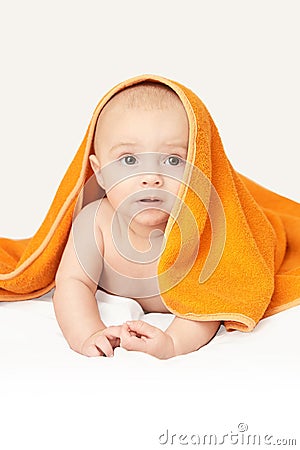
[{"x": 140, "y": 144}]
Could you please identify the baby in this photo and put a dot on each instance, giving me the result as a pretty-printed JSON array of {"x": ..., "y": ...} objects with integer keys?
[{"x": 140, "y": 145}]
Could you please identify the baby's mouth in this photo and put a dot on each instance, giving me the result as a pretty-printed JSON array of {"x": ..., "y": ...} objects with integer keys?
[{"x": 150, "y": 200}]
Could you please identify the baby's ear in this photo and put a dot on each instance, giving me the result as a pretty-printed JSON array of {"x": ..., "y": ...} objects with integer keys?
[
  {"x": 94, "y": 163},
  {"x": 96, "y": 169}
]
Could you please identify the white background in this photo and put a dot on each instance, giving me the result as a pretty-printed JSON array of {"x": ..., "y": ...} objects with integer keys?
[{"x": 58, "y": 58}]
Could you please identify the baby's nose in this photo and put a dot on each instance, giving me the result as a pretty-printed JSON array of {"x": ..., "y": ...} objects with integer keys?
[{"x": 152, "y": 179}]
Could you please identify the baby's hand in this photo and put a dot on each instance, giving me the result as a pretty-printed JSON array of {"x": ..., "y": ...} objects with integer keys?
[
  {"x": 143, "y": 337},
  {"x": 102, "y": 343}
]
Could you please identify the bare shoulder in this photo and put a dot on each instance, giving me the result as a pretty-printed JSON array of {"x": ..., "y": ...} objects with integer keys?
[
  {"x": 98, "y": 211},
  {"x": 104, "y": 213}
]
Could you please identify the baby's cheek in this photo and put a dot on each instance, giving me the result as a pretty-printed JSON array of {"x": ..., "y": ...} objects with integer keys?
[
  {"x": 173, "y": 185},
  {"x": 115, "y": 174},
  {"x": 118, "y": 195}
]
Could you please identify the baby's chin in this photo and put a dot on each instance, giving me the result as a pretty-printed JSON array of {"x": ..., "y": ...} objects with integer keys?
[{"x": 152, "y": 217}]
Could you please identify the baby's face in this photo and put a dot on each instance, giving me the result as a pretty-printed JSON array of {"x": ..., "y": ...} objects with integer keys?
[{"x": 141, "y": 159}]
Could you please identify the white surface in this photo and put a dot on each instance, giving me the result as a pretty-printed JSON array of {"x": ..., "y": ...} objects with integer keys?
[
  {"x": 57, "y": 59},
  {"x": 53, "y": 397}
]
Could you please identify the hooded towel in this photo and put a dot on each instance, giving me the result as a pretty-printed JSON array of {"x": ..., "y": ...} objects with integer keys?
[{"x": 237, "y": 260}]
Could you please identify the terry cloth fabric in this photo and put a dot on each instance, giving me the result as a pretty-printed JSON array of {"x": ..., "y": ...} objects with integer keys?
[{"x": 257, "y": 273}]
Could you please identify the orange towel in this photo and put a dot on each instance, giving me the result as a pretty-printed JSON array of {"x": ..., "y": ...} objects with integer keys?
[{"x": 243, "y": 257}]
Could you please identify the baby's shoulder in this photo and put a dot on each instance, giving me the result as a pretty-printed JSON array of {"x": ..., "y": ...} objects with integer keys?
[{"x": 99, "y": 211}]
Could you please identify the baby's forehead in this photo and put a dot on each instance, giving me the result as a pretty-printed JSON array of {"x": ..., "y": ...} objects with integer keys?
[
  {"x": 146, "y": 96},
  {"x": 130, "y": 105}
]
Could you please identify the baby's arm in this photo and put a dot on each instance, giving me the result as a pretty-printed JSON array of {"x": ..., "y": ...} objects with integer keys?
[
  {"x": 190, "y": 335},
  {"x": 181, "y": 337},
  {"x": 74, "y": 300}
]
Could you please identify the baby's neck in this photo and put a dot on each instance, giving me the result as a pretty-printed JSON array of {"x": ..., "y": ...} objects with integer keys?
[
  {"x": 142, "y": 237},
  {"x": 144, "y": 243}
]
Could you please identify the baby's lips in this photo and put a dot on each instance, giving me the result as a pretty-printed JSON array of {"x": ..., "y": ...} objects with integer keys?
[{"x": 150, "y": 200}]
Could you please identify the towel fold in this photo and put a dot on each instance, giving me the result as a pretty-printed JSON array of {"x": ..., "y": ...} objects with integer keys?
[{"x": 239, "y": 264}]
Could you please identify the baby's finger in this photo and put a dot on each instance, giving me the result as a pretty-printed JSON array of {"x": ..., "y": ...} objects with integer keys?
[
  {"x": 133, "y": 333},
  {"x": 92, "y": 350},
  {"x": 103, "y": 344},
  {"x": 142, "y": 328},
  {"x": 113, "y": 334},
  {"x": 114, "y": 331},
  {"x": 130, "y": 342}
]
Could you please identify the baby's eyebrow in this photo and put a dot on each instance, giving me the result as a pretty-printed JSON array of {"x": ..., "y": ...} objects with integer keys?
[
  {"x": 177, "y": 145},
  {"x": 172, "y": 145},
  {"x": 122, "y": 144},
  {"x": 179, "y": 149}
]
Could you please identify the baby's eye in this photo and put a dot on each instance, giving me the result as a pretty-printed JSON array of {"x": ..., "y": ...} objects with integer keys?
[
  {"x": 173, "y": 160},
  {"x": 129, "y": 160}
]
